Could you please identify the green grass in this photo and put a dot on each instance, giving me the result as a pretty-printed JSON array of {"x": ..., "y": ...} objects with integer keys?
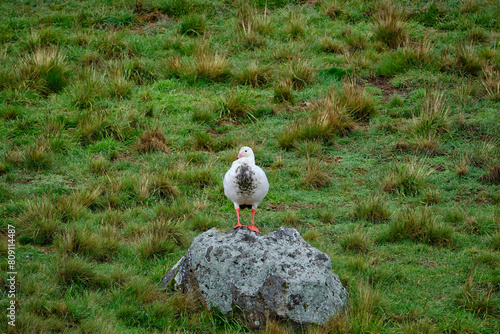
[{"x": 376, "y": 123}]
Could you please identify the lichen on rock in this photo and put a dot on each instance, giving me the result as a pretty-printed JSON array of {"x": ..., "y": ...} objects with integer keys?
[{"x": 258, "y": 277}]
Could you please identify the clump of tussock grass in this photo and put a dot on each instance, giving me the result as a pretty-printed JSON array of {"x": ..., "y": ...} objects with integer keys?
[
  {"x": 310, "y": 148},
  {"x": 301, "y": 73},
  {"x": 143, "y": 187},
  {"x": 94, "y": 126},
  {"x": 419, "y": 326},
  {"x": 277, "y": 327},
  {"x": 364, "y": 314},
  {"x": 150, "y": 246},
  {"x": 77, "y": 271},
  {"x": 491, "y": 83},
  {"x": 92, "y": 59},
  {"x": 356, "y": 240},
  {"x": 251, "y": 25},
  {"x": 407, "y": 178},
  {"x": 432, "y": 195},
  {"x": 203, "y": 115},
  {"x": 85, "y": 91},
  {"x": 98, "y": 246},
  {"x": 315, "y": 175},
  {"x": 237, "y": 104},
  {"x": 469, "y": 6},
  {"x": 295, "y": 26},
  {"x": 433, "y": 118},
  {"x": 174, "y": 67},
  {"x": 421, "y": 56},
  {"x": 42, "y": 38},
  {"x": 203, "y": 140},
  {"x": 283, "y": 91},
  {"x": 152, "y": 141},
  {"x": 330, "y": 45},
  {"x": 185, "y": 303},
  {"x": 373, "y": 209},
  {"x": 421, "y": 225},
  {"x": 40, "y": 222},
  {"x": 99, "y": 165},
  {"x": 45, "y": 70},
  {"x": 161, "y": 237},
  {"x": 483, "y": 154},
  {"x": 477, "y": 35},
  {"x": 329, "y": 117},
  {"x": 428, "y": 145},
  {"x": 359, "y": 104},
  {"x": 390, "y": 25},
  {"x": 462, "y": 162},
  {"x": 115, "y": 218},
  {"x": 176, "y": 210},
  {"x": 312, "y": 235},
  {"x": 38, "y": 156},
  {"x": 120, "y": 86},
  {"x": 202, "y": 222},
  {"x": 143, "y": 290},
  {"x": 355, "y": 40},
  {"x": 494, "y": 241},
  {"x": 193, "y": 24},
  {"x": 113, "y": 46},
  {"x": 255, "y": 75},
  {"x": 208, "y": 65},
  {"x": 493, "y": 174},
  {"x": 164, "y": 187},
  {"x": 289, "y": 218},
  {"x": 11, "y": 112},
  {"x": 466, "y": 60},
  {"x": 333, "y": 8},
  {"x": 142, "y": 71},
  {"x": 325, "y": 216},
  {"x": 200, "y": 176}
]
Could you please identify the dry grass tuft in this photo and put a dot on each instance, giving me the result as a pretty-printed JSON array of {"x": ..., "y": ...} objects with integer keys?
[
  {"x": 491, "y": 83},
  {"x": 493, "y": 175},
  {"x": 45, "y": 70},
  {"x": 373, "y": 209},
  {"x": 407, "y": 178},
  {"x": 209, "y": 65},
  {"x": 333, "y": 8},
  {"x": 420, "y": 225},
  {"x": 315, "y": 174},
  {"x": 329, "y": 117},
  {"x": 360, "y": 105},
  {"x": 433, "y": 118},
  {"x": 390, "y": 25},
  {"x": 237, "y": 104},
  {"x": 357, "y": 240},
  {"x": 152, "y": 141},
  {"x": 466, "y": 60},
  {"x": 255, "y": 75},
  {"x": 283, "y": 91},
  {"x": 301, "y": 73}
]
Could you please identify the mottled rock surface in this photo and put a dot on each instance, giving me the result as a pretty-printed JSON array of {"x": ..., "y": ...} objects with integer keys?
[{"x": 243, "y": 273}]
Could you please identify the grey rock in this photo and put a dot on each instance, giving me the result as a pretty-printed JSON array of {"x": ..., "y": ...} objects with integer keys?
[{"x": 256, "y": 277}]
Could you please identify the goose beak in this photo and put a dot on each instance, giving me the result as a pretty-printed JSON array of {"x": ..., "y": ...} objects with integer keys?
[{"x": 239, "y": 156}]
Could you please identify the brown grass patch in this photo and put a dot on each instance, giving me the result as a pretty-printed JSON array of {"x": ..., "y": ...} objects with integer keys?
[{"x": 152, "y": 141}]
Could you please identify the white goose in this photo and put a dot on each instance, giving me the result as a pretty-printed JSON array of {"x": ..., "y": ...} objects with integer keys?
[{"x": 246, "y": 185}]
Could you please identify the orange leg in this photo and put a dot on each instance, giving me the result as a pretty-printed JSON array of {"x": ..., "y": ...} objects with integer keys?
[
  {"x": 238, "y": 215},
  {"x": 252, "y": 226}
]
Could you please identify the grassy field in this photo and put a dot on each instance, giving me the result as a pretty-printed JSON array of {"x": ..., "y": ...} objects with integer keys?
[{"x": 377, "y": 124}]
